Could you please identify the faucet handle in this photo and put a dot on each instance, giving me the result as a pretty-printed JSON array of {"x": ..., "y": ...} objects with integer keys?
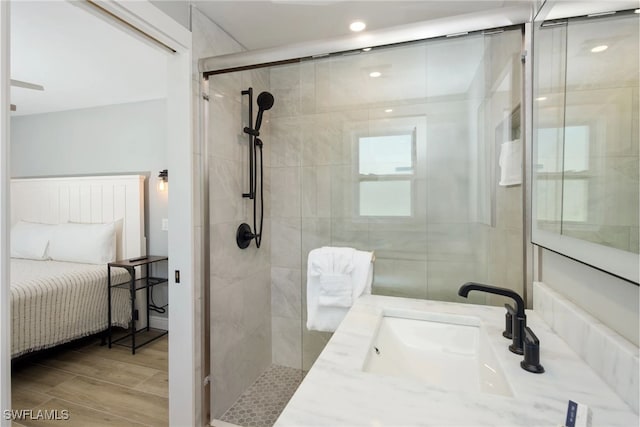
[
  {"x": 531, "y": 360},
  {"x": 508, "y": 321}
]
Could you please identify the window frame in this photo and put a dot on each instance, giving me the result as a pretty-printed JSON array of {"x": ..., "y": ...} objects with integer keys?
[{"x": 414, "y": 126}]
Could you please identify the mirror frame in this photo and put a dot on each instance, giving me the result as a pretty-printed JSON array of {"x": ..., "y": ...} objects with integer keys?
[{"x": 623, "y": 264}]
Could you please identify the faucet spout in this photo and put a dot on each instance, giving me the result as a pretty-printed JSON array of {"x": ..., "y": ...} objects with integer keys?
[
  {"x": 472, "y": 286},
  {"x": 519, "y": 321}
]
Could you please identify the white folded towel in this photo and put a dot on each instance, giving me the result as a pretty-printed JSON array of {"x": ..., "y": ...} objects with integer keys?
[
  {"x": 336, "y": 277},
  {"x": 334, "y": 267},
  {"x": 510, "y": 163},
  {"x": 362, "y": 274},
  {"x": 328, "y": 260},
  {"x": 336, "y": 290}
]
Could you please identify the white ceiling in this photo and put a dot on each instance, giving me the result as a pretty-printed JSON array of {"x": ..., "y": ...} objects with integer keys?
[
  {"x": 80, "y": 59},
  {"x": 272, "y": 23},
  {"x": 83, "y": 61}
]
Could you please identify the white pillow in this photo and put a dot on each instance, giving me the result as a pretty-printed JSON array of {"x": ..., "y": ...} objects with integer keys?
[
  {"x": 84, "y": 243},
  {"x": 30, "y": 240}
]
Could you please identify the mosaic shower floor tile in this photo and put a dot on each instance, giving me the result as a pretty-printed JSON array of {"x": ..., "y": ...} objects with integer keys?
[{"x": 261, "y": 404}]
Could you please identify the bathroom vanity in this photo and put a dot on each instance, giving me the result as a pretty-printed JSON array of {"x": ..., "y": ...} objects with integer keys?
[{"x": 369, "y": 373}]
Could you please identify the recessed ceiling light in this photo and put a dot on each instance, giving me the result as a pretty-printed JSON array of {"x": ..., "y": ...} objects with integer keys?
[
  {"x": 600, "y": 48},
  {"x": 388, "y": 110},
  {"x": 636, "y": 11},
  {"x": 541, "y": 98},
  {"x": 375, "y": 74},
  {"x": 366, "y": 49},
  {"x": 357, "y": 26}
]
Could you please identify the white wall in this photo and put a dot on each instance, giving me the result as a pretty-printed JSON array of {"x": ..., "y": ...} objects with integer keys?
[
  {"x": 613, "y": 301},
  {"x": 177, "y": 9},
  {"x": 104, "y": 140}
]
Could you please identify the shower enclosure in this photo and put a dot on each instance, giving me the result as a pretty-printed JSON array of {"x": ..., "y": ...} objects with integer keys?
[{"x": 408, "y": 151}]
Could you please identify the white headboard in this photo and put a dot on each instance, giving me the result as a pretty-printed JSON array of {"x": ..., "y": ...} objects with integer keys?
[{"x": 86, "y": 199}]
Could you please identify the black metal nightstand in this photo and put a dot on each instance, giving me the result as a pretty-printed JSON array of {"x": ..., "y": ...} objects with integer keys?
[{"x": 144, "y": 281}]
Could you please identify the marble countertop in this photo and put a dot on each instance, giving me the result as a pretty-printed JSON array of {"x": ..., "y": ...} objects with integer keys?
[{"x": 337, "y": 392}]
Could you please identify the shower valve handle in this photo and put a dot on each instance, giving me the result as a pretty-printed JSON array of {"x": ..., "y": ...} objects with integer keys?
[
  {"x": 248, "y": 235},
  {"x": 244, "y": 235}
]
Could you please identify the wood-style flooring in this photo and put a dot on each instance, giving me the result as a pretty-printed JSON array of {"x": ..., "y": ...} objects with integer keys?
[{"x": 98, "y": 386}]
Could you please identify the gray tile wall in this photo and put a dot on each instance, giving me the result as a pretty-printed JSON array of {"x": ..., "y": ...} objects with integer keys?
[
  {"x": 259, "y": 296},
  {"x": 258, "y": 313},
  {"x": 429, "y": 255},
  {"x": 239, "y": 279},
  {"x": 286, "y": 199}
]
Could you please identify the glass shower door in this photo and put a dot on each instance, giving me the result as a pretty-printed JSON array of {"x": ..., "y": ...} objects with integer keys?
[{"x": 397, "y": 151}]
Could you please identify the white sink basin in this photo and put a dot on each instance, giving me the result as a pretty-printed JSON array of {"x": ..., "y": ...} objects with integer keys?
[{"x": 448, "y": 351}]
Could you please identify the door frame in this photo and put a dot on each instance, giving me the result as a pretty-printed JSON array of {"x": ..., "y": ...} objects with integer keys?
[
  {"x": 5, "y": 221},
  {"x": 184, "y": 364}
]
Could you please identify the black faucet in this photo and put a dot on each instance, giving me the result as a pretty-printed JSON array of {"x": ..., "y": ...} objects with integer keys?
[{"x": 519, "y": 319}]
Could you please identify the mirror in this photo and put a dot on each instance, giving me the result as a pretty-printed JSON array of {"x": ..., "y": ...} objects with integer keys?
[{"x": 585, "y": 140}]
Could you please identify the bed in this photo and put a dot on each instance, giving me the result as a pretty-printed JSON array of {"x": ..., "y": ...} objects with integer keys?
[{"x": 57, "y": 301}]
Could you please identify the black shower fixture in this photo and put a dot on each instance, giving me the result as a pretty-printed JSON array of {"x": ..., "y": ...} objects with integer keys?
[
  {"x": 244, "y": 235},
  {"x": 265, "y": 102}
]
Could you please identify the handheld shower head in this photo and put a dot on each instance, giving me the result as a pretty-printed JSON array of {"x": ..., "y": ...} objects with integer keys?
[{"x": 265, "y": 102}]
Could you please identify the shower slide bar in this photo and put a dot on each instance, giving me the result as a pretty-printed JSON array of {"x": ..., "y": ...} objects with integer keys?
[{"x": 252, "y": 191}]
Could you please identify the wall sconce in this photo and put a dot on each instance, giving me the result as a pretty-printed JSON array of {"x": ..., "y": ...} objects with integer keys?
[{"x": 163, "y": 179}]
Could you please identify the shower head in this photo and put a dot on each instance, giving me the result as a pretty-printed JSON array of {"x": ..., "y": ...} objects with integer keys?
[{"x": 265, "y": 102}]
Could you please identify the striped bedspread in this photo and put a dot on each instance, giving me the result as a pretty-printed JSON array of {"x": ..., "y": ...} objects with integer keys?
[{"x": 56, "y": 302}]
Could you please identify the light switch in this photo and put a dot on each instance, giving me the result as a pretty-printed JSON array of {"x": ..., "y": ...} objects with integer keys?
[{"x": 165, "y": 224}]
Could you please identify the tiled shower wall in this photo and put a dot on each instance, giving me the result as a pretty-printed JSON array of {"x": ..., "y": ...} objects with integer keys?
[
  {"x": 239, "y": 279},
  {"x": 461, "y": 230}
]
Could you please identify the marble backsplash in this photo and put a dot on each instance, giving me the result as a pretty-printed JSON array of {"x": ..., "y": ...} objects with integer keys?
[{"x": 611, "y": 356}]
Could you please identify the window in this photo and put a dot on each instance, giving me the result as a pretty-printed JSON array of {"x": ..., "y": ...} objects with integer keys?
[
  {"x": 566, "y": 184},
  {"x": 386, "y": 171}
]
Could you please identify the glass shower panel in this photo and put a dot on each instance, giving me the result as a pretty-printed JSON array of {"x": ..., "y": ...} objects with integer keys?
[
  {"x": 384, "y": 207},
  {"x": 548, "y": 122},
  {"x": 395, "y": 151},
  {"x": 456, "y": 163},
  {"x": 357, "y": 151},
  {"x": 502, "y": 223},
  {"x": 402, "y": 158}
]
